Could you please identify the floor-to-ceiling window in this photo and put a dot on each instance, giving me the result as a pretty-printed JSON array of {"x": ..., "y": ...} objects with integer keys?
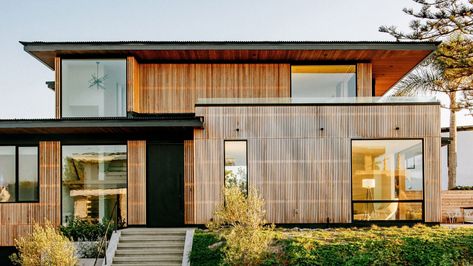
[
  {"x": 93, "y": 87},
  {"x": 387, "y": 180},
  {"x": 319, "y": 81},
  {"x": 236, "y": 172},
  {"x": 94, "y": 179}
]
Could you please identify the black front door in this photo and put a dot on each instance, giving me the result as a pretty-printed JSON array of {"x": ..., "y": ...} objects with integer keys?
[{"x": 165, "y": 184}]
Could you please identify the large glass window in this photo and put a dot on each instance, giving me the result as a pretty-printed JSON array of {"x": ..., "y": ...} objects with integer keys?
[
  {"x": 93, "y": 88},
  {"x": 28, "y": 173},
  {"x": 236, "y": 172},
  {"x": 18, "y": 174},
  {"x": 94, "y": 179},
  {"x": 387, "y": 179},
  {"x": 314, "y": 81}
]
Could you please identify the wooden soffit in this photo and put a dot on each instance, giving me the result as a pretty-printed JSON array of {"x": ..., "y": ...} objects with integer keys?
[{"x": 390, "y": 60}]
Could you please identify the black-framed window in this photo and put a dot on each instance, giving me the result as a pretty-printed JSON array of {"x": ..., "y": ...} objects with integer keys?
[
  {"x": 19, "y": 177},
  {"x": 93, "y": 88},
  {"x": 94, "y": 180},
  {"x": 321, "y": 81},
  {"x": 387, "y": 180},
  {"x": 236, "y": 164}
]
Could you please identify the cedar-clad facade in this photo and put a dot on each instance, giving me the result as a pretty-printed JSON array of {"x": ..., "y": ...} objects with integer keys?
[{"x": 150, "y": 133}]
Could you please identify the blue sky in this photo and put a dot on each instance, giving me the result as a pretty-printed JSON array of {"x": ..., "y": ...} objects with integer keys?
[{"x": 22, "y": 78}]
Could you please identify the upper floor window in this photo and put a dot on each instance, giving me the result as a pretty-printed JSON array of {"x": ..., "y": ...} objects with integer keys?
[
  {"x": 309, "y": 81},
  {"x": 18, "y": 174},
  {"x": 93, "y": 87}
]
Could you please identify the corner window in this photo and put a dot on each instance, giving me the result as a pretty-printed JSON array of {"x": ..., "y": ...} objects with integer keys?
[
  {"x": 94, "y": 182},
  {"x": 315, "y": 81},
  {"x": 236, "y": 172},
  {"x": 19, "y": 174},
  {"x": 387, "y": 180},
  {"x": 93, "y": 88}
]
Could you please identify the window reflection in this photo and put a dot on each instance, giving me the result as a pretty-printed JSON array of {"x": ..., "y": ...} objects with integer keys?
[
  {"x": 28, "y": 173},
  {"x": 387, "y": 170},
  {"x": 94, "y": 178},
  {"x": 7, "y": 173},
  {"x": 235, "y": 165},
  {"x": 313, "y": 81}
]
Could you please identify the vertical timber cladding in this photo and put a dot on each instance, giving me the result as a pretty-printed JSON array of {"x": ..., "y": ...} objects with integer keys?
[
  {"x": 57, "y": 85},
  {"x": 303, "y": 172},
  {"x": 189, "y": 197},
  {"x": 136, "y": 182},
  {"x": 132, "y": 84},
  {"x": 364, "y": 82},
  {"x": 16, "y": 219},
  {"x": 174, "y": 88}
]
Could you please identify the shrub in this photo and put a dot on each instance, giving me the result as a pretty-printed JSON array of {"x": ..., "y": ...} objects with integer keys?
[
  {"x": 240, "y": 221},
  {"x": 84, "y": 230},
  {"x": 45, "y": 246}
]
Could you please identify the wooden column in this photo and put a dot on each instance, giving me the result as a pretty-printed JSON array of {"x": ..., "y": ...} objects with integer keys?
[
  {"x": 137, "y": 182},
  {"x": 364, "y": 77},
  {"x": 57, "y": 85},
  {"x": 189, "y": 205},
  {"x": 132, "y": 84}
]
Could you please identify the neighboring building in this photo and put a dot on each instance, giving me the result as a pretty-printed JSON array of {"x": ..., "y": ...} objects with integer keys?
[
  {"x": 464, "y": 156},
  {"x": 160, "y": 127}
]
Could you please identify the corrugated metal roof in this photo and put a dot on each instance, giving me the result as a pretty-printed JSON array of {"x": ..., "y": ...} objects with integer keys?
[{"x": 216, "y": 45}]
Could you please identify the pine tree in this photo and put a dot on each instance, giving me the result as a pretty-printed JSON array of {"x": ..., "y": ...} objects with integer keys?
[{"x": 450, "y": 69}]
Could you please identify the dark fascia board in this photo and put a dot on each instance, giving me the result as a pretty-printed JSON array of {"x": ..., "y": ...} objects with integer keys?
[
  {"x": 40, "y": 46},
  {"x": 459, "y": 128},
  {"x": 196, "y": 122}
]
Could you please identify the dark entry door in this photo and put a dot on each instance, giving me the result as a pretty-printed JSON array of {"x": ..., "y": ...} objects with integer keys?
[{"x": 165, "y": 184}]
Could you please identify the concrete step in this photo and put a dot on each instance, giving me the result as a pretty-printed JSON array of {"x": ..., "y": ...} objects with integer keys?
[
  {"x": 130, "y": 238},
  {"x": 153, "y": 231},
  {"x": 148, "y": 263},
  {"x": 159, "y": 260},
  {"x": 155, "y": 244},
  {"x": 146, "y": 252}
]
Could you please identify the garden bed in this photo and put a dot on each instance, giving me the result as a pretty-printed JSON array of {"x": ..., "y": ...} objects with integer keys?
[{"x": 418, "y": 245}]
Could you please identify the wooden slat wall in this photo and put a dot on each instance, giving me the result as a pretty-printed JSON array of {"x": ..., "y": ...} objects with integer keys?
[
  {"x": 132, "y": 84},
  {"x": 174, "y": 88},
  {"x": 16, "y": 219},
  {"x": 364, "y": 76},
  {"x": 189, "y": 206},
  {"x": 453, "y": 200},
  {"x": 303, "y": 172},
  {"x": 57, "y": 85},
  {"x": 137, "y": 182}
]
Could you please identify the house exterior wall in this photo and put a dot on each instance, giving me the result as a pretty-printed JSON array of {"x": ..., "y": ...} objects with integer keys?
[
  {"x": 16, "y": 219},
  {"x": 303, "y": 172}
]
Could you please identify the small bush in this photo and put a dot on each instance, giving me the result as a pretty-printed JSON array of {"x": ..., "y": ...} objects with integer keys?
[
  {"x": 84, "y": 230},
  {"x": 45, "y": 246},
  {"x": 241, "y": 223}
]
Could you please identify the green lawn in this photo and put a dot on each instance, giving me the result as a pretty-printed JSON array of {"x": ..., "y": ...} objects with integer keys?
[{"x": 418, "y": 245}]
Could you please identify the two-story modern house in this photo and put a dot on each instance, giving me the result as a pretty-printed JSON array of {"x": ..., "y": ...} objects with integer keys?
[{"x": 161, "y": 127}]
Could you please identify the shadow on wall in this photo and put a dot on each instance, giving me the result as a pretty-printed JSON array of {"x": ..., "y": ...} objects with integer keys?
[{"x": 5, "y": 252}]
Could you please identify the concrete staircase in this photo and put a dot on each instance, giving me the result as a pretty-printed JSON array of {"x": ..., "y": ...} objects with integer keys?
[{"x": 150, "y": 246}]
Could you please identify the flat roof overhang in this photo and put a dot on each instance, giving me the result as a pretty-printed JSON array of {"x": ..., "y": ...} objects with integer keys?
[
  {"x": 391, "y": 60},
  {"x": 97, "y": 126}
]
